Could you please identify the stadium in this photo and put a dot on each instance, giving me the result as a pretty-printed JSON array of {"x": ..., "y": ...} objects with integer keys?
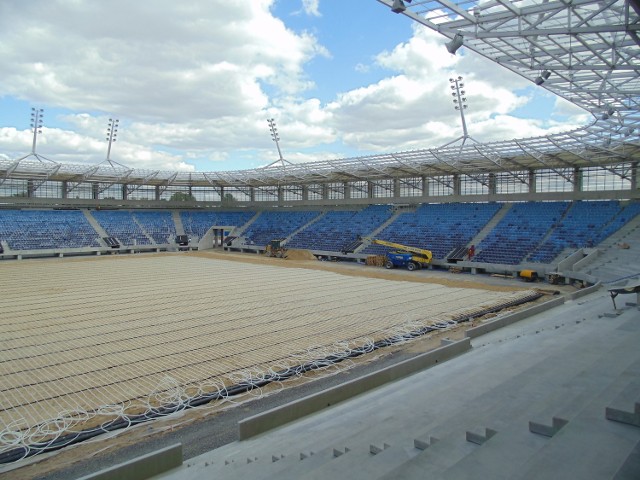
[{"x": 145, "y": 311}]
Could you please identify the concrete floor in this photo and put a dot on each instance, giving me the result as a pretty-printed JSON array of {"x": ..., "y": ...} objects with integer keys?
[{"x": 571, "y": 363}]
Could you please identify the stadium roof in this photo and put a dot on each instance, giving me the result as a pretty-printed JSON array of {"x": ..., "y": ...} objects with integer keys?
[{"x": 586, "y": 51}]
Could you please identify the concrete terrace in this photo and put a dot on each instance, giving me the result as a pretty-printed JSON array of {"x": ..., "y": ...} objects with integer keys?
[{"x": 556, "y": 395}]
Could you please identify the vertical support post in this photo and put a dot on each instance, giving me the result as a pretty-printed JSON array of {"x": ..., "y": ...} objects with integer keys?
[
  {"x": 347, "y": 191},
  {"x": 492, "y": 184},
  {"x": 425, "y": 186},
  {"x": 577, "y": 179},
  {"x": 532, "y": 181},
  {"x": 456, "y": 184}
]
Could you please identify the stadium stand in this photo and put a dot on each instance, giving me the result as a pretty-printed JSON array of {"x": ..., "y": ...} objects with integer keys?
[
  {"x": 159, "y": 225},
  {"x": 584, "y": 225},
  {"x": 197, "y": 223},
  {"x": 122, "y": 225},
  {"x": 533, "y": 232},
  {"x": 46, "y": 229},
  {"x": 337, "y": 228},
  {"x": 272, "y": 225},
  {"x": 520, "y": 232},
  {"x": 438, "y": 227}
]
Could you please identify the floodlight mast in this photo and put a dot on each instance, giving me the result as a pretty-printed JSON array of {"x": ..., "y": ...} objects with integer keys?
[
  {"x": 36, "y": 125},
  {"x": 112, "y": 133},
  {"x": 276, "y": 138},
  {"x": 460, "y": 103}
]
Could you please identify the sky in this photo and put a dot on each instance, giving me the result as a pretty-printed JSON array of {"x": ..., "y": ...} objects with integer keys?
[{"x": 193, "y": 83}]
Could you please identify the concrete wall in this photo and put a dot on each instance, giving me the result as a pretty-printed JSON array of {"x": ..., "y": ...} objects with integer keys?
[
  {"x": 276, "y": 417},
  {"x": 509, "y": 318},
  {"x": 143, "y": 467}
]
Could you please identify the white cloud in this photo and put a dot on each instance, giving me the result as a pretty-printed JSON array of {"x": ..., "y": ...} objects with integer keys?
[
  {"x": 311, "y": 7},
  {"x": 154, "y": 61},
  {"x": 194, "y": 82}
]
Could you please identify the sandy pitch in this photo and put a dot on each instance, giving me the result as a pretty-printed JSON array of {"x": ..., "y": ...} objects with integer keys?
[{"x": 86, "y": 340}]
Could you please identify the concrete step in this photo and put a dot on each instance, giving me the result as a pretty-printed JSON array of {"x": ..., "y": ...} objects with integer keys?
[
  {"x": 364, "y": 461},
  {"x": 602, "y": 446},
  {"x": 498, "y": 385},
  {"x": 504, "y": 454},
  {"x": 296, "y": 466},
  {"x": 435, "y": 458},
  {"x": 510, "y": 412}
]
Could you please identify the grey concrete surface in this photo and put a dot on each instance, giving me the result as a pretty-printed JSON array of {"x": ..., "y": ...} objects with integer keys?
[
  {"x": 279, "y": 416},
  {"x": 570, "y": 362}
]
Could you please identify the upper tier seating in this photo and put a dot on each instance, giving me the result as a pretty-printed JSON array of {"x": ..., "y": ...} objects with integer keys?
[
  {"x": 46, "y": 229},
  {"x": 338, "y": 228},
  {"x": 523, "y": 227},
  {"x": 196, "y": 224},
  {"x": 437, "y": 227},
  {"x": 276, "y": 225}
]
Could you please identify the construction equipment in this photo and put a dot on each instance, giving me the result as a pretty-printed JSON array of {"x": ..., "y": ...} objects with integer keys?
[
  {"x": 413, "y": 258},
  {"x": 276, "y": 248},
  {"x": 529, "y": 275}
]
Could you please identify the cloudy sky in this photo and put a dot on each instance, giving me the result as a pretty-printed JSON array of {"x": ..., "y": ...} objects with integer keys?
[{"x": 193, "y": 83}]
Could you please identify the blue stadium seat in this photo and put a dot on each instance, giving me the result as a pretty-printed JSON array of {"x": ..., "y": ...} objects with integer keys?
[
  {"x": 438, "y": 227},
  {"x": 338, "y": 228},
  {"x": 46, "y": 229}
]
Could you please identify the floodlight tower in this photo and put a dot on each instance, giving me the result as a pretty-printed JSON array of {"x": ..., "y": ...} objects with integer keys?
[
  {"x": 460, "y": 103},
  {"x": 36, "y": 125},
  {"x": 276, "y": 138},
  {"x": 112, "y": 133}
]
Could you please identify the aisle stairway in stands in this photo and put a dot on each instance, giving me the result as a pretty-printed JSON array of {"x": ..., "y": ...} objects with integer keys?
[
  {"x": 440, "y": 228},
  {"x": 619, "y": 256},
  {"x": 158, "y": 226},
  {"x": 93, "y": 222},
  {"x": 338, "y": 228},
  {"x": 177, "y": 221},
  {"x": 491, "y": 224}
]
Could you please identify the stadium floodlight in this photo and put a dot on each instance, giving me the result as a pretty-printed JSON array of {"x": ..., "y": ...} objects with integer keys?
[
  {"x": 112, "y": 133},
  {"x": 399, "y": 6},
  {"x": 460, "y": 104},
  {"x": 456, "y": 42},
  {"x": 36, "y": 125},
  {"x": 544, "y": 75},
  {"x": 607, "y": 113},
  {"x": 274, "y": 135}
]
